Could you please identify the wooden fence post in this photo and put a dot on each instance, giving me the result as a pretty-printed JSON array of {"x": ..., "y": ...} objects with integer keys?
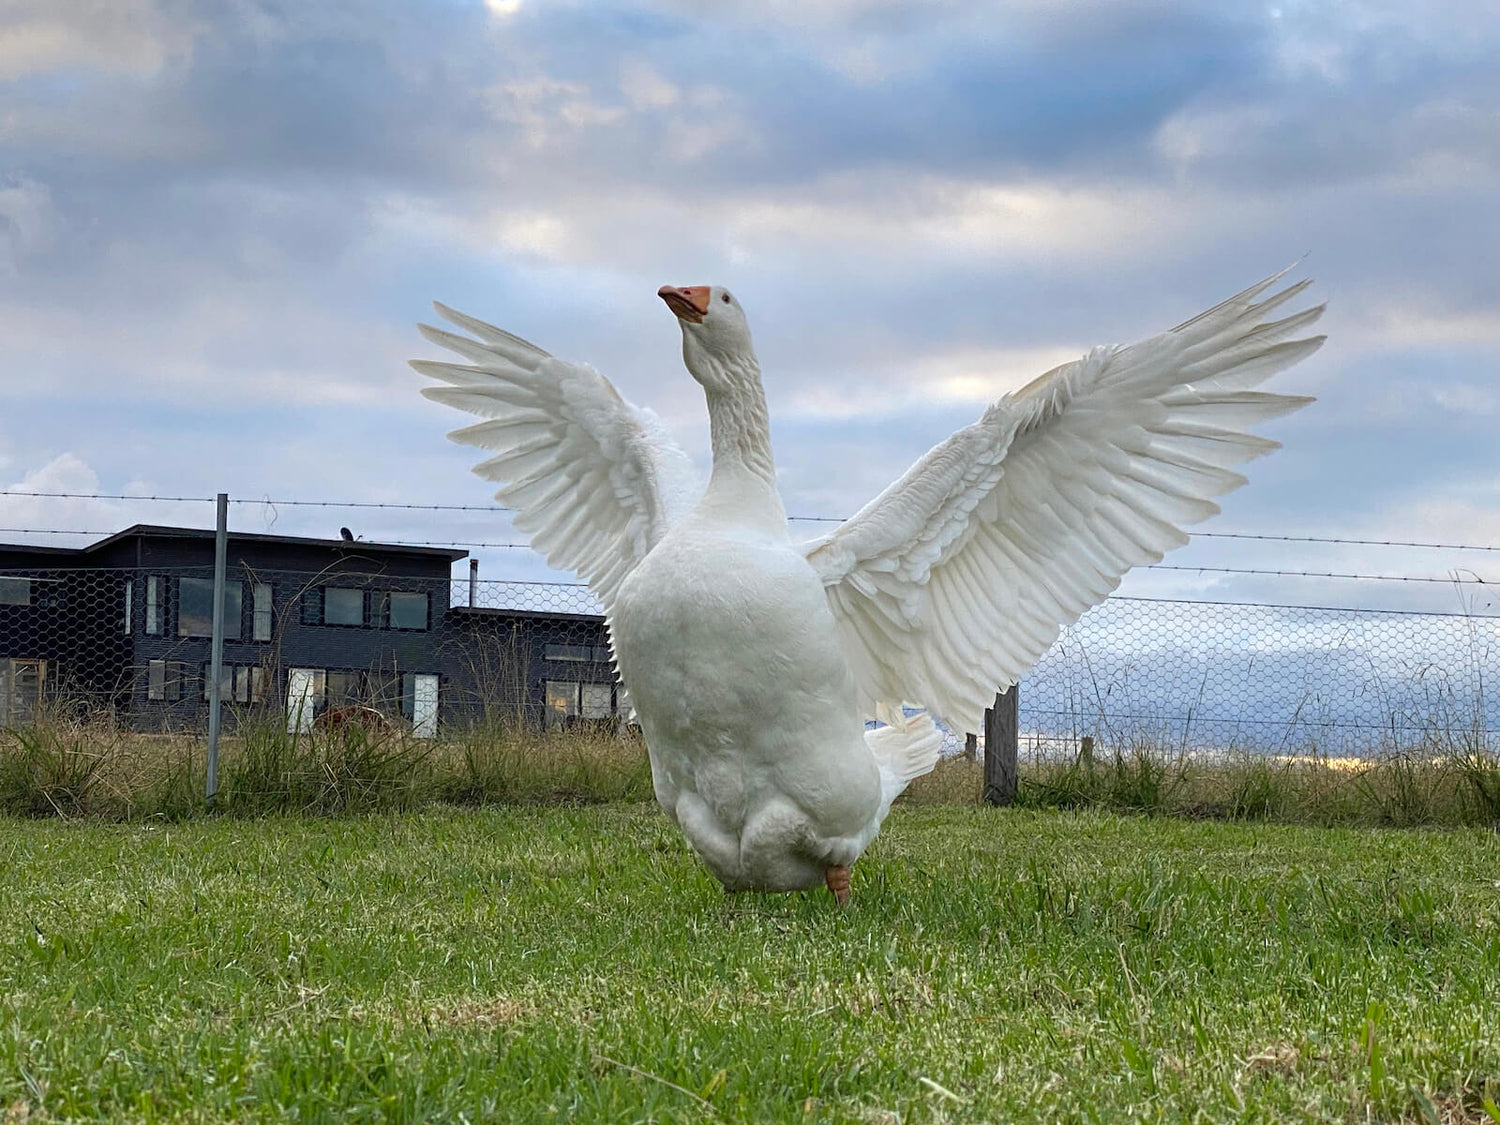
[
  {"x": 1001, "y": 736},
  {"x": 971, "y": 747}
]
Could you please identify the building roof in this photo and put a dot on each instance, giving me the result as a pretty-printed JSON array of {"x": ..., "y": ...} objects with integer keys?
[{"x": 158, "y": 531}]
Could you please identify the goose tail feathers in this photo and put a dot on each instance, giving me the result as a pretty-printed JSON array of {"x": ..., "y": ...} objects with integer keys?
[{"x": 905, "y": 748}]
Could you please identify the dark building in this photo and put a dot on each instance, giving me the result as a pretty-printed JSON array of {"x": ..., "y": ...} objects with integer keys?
[
  {"x": 547, "y": 665},
  {"x": 123, "y": 626}
]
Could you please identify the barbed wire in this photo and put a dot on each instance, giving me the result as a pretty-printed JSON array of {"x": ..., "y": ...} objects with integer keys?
[
  {"x": 110, "y": 496},
  {"x": 1341, "y": 542},
  {"x": 496, "y": 545},
  {"x": 48, "y": 531},
  {"x": 401, "y": 506},
  {"x": 1450, "y": 580}
]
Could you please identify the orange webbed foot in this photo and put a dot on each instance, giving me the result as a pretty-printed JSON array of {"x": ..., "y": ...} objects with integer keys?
[{"x": 837, "y": 878}]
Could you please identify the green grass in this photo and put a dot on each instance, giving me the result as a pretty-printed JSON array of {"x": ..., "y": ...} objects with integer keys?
[{"x": 578, "y": 964}]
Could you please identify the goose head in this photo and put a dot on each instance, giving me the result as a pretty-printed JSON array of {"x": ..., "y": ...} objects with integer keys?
[{"x": 715, "y": 336}]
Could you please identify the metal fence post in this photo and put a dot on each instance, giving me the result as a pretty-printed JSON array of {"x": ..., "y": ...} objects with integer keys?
[
  {"x": 1001, "y": 738},
  {"x": 473, "y": 583},
  {"x": 216, "y": 660}
]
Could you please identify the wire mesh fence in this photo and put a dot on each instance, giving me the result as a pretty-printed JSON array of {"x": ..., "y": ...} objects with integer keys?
[
  {"x": 1210, "y": 677},
  {"x": 321, "y": 631},
  {"x": 340, "y": 644},
  {"x": 348, "y": 642},
  {"x": 1205, "y": 677}
]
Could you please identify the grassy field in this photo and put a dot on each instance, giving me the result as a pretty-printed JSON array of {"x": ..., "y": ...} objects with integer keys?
[{"x": 578, "y": 964}]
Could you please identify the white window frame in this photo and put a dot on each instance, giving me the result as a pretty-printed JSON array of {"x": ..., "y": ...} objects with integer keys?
[
  {"x": 424, "y": 705},
  {"x": 304, "y": 693}
]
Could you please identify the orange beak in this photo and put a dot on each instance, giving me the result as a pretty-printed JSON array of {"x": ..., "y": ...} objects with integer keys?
[{"x": 689, "y": 302}]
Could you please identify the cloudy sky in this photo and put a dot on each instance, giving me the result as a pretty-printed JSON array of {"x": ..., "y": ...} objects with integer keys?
[{"x": 219, "y": 222}]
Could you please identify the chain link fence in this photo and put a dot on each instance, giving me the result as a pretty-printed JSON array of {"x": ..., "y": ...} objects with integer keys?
[
  {"x": 1206, "y": 677},
  {"x": 355, "y": 642},
  {"x": 343, "y": 643},
  {"x": 1213, "y": 677}
]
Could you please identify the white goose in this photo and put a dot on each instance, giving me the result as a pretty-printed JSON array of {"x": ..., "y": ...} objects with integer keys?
[{"x": 752, "y": 660}]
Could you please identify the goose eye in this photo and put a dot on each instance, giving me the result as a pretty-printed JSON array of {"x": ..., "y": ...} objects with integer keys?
[{"x": 725, "y": 298}]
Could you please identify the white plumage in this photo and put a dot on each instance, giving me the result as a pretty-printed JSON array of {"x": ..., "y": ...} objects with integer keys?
[{"x": 753, "y": 661}]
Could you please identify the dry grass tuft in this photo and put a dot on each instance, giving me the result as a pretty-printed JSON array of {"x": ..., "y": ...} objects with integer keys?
[
  {"x": 485, "y": 1012},
  {"x": 69, "y": 767}
]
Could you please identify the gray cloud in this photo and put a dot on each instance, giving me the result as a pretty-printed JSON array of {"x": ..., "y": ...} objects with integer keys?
[{"x": 213, "y": 239}]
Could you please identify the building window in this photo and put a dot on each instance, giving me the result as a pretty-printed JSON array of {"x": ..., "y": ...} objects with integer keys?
[
  {"x": 163, "y": 680},
  {"x": 398, "y": 609},
  {"x": 250, "y": 683},
  {"x": 561, "y": 701},
  {"x": 153, "y": 604},
  {"x": 407, "y": 610},
  {"x": 419, "y": 703},
  {"x": 129, "y": 599},
  {"x": 226, "y": 681},
  {"x": 238, "y": 683},
  {"x": 15, "y": 591},
  {"x": 260, "y": 622},
  {"x": 195, "y": 608},
  {"x": 343, "y": 606},
  {"x": 22, "y": 683},
  {"x": 382, "y": 689},
  {"x": 304, "y": 697},
  {"x": 568, "y": 699},
  {"x": 597, "y": 654},
  {"x": 595, "y": 701},
  {"x": 345, "y": 688}
]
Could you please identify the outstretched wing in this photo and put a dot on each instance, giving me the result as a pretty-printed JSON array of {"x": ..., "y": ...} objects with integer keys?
[
  {"x": 594, "y": 480},
  {"x": 958, "y": 577}
]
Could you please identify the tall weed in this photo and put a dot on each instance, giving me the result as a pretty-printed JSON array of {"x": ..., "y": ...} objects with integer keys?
[
  {"x": 69, "y": 767},
  {"x": 49, "y": 769}
]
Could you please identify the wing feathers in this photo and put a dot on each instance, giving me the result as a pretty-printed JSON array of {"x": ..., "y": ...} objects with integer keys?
[
  {"x": 959, "y": 576},
  {"x": 512, "y": 347},
  {"x": 593, "y": 480}
]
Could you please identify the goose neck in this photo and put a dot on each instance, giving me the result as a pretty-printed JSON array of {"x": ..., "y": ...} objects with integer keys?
[
  {"x": 741, "y": 430},
  {"x": 743, "y": 485}
]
